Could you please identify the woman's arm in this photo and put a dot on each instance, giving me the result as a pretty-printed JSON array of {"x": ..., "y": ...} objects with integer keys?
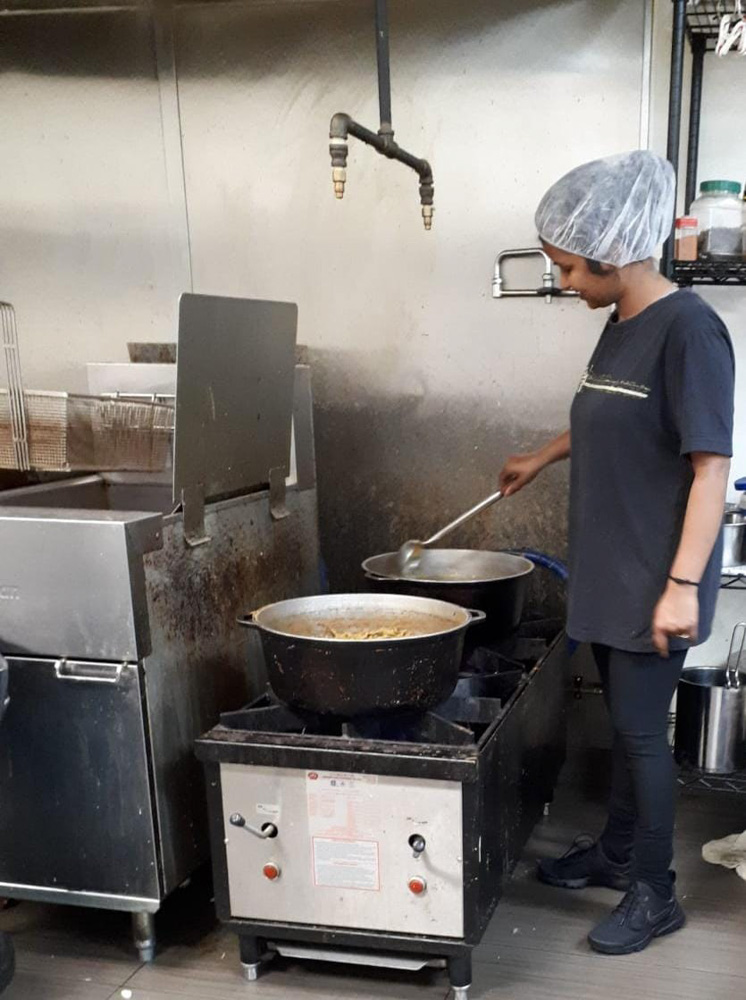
[
  {"x": 520, "y": 470},
  {"x": 677, "y": 612}
]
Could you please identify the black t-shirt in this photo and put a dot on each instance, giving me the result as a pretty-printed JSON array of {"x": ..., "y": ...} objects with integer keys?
[{"x": 658, "y": 387}]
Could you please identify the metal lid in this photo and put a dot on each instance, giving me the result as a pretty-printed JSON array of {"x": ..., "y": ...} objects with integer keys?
[
  {"x": 720, "y": 187},
  {"x": 234, "y": 394},
  {"x": 451, "y": 567}
]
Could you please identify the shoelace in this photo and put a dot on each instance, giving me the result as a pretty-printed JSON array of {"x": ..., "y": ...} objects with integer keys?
[{"x": 628, "y": 903}]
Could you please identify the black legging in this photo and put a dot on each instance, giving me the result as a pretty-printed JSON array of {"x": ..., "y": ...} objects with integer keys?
[{"x": 638, "y": 688}]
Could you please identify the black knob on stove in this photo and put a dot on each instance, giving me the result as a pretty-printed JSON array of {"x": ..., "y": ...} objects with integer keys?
[{"x": 417, "y": 843}]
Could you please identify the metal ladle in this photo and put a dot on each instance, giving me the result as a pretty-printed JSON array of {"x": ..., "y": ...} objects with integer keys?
[{"x": 409, "y": 555}]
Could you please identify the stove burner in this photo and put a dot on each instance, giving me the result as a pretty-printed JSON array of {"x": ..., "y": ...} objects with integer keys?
[
  {"x": 457, "y": 722},
  {"x": 490, "y": 677},
  {"x": 427, "y": 728},
  {"x": 515, "y": 653}
]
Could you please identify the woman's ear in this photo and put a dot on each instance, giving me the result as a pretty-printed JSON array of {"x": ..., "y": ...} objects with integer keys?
[{"x": 596, "y": 267}]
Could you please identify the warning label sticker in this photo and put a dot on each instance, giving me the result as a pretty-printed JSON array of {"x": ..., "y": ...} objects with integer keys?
[
  {"x": 342, "y": 805},
  {"x": 344, "y": 824},
  {"x": 346, "y": 864}
]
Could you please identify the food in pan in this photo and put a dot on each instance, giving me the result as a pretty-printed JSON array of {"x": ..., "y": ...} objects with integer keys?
[
  {"x": 367, "y": 633},
  {"x": 351, "y": 628}
]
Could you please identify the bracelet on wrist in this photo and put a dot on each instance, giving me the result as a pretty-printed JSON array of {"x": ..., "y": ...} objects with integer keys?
[{"x": 683, "y": 582}]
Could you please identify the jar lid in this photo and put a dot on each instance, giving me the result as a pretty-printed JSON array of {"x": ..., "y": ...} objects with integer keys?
[
  {"x": 686, "y": 222},
  {"x": 727, "y": 187}
]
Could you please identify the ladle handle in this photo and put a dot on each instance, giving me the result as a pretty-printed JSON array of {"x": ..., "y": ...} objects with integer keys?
[{"x": 463, "y": 518}]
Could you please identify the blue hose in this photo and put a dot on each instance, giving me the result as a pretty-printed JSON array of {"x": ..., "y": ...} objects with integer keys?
[
  {"x": 323, "y": 577},
  {"x": 554, "y": 565}
]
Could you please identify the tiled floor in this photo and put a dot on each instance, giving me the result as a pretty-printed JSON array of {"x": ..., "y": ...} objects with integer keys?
[{"x": 535, "y": 948}]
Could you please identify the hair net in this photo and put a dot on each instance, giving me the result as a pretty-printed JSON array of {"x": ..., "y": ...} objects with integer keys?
[{"x": 616, "y": 210}]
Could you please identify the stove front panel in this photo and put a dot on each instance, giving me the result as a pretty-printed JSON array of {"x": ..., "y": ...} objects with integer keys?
[{"x": 343, "y": 849}]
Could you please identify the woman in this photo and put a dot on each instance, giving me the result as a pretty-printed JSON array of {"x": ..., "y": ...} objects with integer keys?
[{"x": 650, "y": 439}]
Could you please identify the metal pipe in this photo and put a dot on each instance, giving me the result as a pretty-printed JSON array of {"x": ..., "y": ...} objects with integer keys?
[
  {"x": 343, "y": 125},
  {"x": 364, "y": 135},
  {"x": 384, "y": 66},
  {"x": 699, "y": 46},
  {"x": 674, "y": 110},
  {"x": 422, "y": 167}
]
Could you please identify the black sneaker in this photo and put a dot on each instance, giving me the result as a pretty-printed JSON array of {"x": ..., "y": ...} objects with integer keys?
[
  {"x": 582, "y": 865},
  {"x": 7, "y": 961},
  {"x": 641, "y": 916}
]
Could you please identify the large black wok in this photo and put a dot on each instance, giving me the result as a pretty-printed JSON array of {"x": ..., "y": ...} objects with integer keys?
[
  {"x": 493, "y": 582},
  {"x": 362, "y": 654}
]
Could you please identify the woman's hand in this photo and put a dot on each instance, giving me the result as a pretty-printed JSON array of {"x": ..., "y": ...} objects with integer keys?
[
  {"x": 676, "y": 615},
  {"x": 677, "y": 612},
  {"x": 519, "y": 471}
]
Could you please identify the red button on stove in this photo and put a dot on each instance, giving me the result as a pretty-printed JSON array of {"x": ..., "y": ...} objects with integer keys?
[
  {"x": 271, "y": 871},
  {"x": 417, "y": 885}
]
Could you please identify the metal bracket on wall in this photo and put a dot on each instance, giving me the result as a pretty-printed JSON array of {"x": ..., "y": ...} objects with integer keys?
[
  {"x": 193, "y": 505},
  {"x": 548, "y": 289},
  {"x": 277, "y": 493}
]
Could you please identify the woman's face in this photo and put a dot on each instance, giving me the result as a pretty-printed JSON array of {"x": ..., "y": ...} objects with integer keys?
[{"x": 598, "y": 291}]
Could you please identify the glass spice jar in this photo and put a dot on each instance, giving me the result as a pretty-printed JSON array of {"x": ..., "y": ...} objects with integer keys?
[{"x": 685, "y": 247}]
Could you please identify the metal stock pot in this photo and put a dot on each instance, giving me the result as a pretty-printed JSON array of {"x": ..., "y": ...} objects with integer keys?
[
  {"x": 493, "y": 582},
  {"x": 711, "y": 713}
]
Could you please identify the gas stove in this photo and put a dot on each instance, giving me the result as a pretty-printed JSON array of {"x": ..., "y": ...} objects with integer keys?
[{"x": 385, "y": 840}]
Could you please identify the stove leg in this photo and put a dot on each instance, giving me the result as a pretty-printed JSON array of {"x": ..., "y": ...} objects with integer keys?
[
  {"x": 143, "y": 933},
  {"x": 251, "y": 949},
  {"x": 459, "y": 972},
  {"x": 251, "y": 971}
]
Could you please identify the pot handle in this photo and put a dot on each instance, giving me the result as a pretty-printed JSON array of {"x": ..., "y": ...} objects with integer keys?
[
  {"x": 476, "y": 616},
  {"x": 248, "y": 620},
  {"x": 735, "y": 653}
]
